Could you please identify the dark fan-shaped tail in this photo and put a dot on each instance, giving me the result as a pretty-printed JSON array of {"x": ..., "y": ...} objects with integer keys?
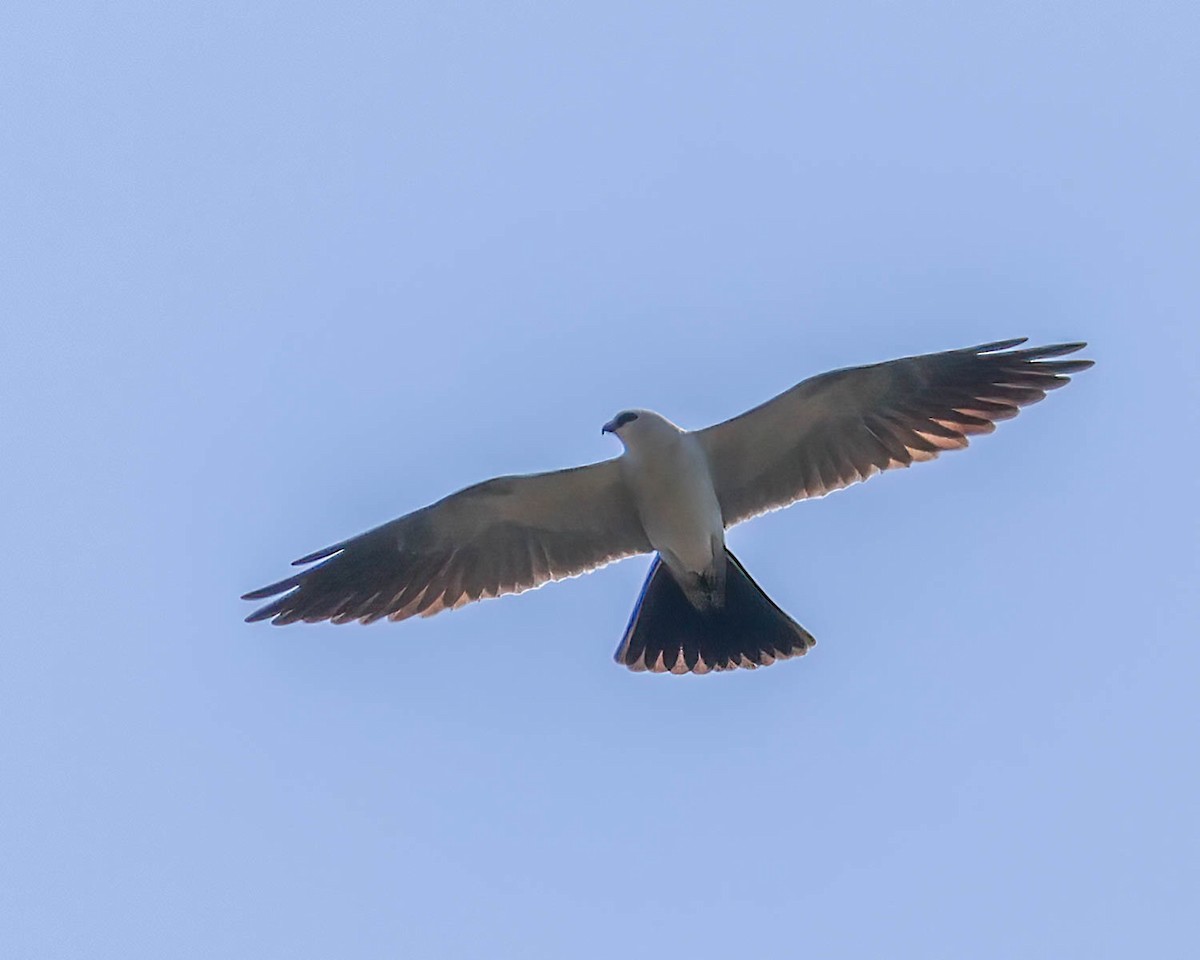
[{"x": 667, "y": 634}]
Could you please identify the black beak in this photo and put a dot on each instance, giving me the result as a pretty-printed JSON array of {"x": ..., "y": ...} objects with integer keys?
[{"x": 610, "y": 427}]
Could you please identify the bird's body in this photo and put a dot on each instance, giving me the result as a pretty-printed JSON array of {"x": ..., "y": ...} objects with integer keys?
[
  {"x": 667, "y": 472},
  {"x": 675, "y": 492}
]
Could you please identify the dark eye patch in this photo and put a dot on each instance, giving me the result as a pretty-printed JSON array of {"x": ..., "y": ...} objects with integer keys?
[{"x": 624, "y": 418}]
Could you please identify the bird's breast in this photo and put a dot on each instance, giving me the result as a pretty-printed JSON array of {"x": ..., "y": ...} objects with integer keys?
[{"x": 678, "y": 504}]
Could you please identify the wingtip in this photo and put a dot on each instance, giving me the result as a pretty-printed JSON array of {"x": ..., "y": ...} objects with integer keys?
[
  {"x": 262, "y": 593},
  {"x": 259, "y": 615},
  {"x": 1062, "y": 349},
  {"x": 317, "y": 555},
  {"x": 1005, "y": 349},
  {"x": 998, "y": 345}
]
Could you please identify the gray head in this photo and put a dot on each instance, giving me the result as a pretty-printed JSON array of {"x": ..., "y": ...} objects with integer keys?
[{"x": 632, "y": 427}]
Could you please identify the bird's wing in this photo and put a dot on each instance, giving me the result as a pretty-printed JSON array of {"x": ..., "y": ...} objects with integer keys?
[
  {"x": 502, "y": 536},
  {"x": 841, "y": 427}
]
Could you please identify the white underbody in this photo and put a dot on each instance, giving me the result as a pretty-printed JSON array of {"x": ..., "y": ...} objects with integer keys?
[{"x": 669, "y": 476}]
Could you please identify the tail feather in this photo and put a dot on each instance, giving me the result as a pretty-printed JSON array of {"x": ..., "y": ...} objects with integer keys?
[{"x": 666, "y": 633}]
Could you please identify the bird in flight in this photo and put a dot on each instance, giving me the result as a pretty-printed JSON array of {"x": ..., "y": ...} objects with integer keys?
[{"x": 674, "y": 492}]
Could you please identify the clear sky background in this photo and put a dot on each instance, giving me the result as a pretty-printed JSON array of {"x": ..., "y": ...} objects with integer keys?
[{"x": 273, "y": 273}]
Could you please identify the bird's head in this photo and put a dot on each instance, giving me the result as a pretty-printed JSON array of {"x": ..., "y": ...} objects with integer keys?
[{"x": 635, "y": 427}]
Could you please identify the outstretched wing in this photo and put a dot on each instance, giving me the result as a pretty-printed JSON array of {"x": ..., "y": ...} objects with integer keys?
[
  {"x": 502, "y": 536},
  {"x": 841, "y": 427}
]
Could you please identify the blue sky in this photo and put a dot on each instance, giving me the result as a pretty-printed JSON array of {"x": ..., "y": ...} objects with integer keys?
[{"x": 271, "y": 275}]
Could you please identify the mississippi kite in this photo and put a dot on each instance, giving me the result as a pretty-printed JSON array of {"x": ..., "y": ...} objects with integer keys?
[{"x": 674, "y": 492}]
